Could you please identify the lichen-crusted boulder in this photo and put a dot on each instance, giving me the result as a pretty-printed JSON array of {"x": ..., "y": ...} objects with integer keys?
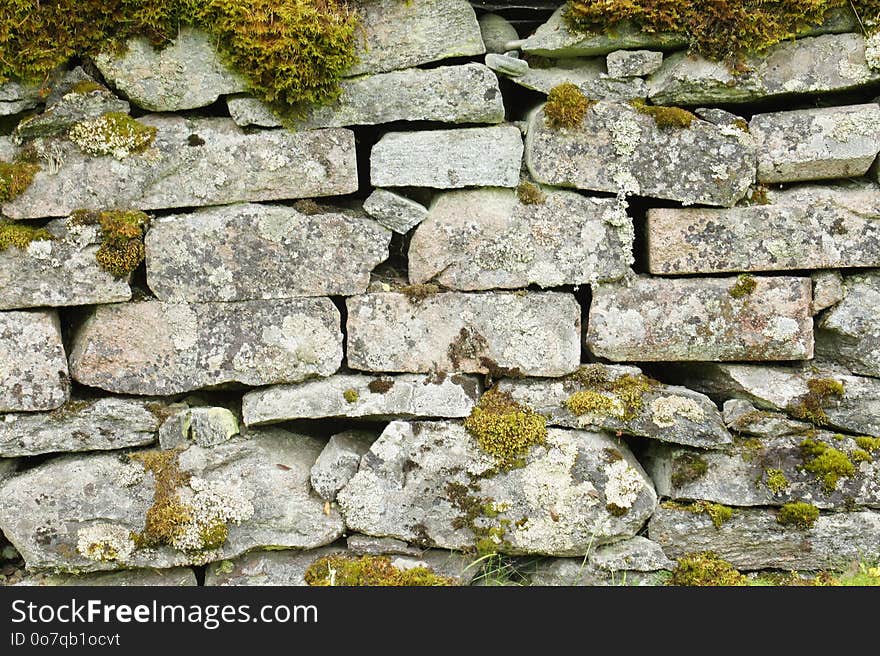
[
  {"x": 403, "y": 34},
  {"x": 152, "y": 347},
  {"x": 489, "y": 239},
  {"x": 621, "y": 399},
  {"x": 245, "y": 252},
  {"x": 185, "y": 74},
  {"x": 16, "y": 97},
  {"x": 33, "y": 365},
  {"x": 752, "y": 539},
  {"x": 806, "y": 227},
  {"x": 822, "y": 64},
  {"x": 849, "y": 333},
  {"x": 618, "y": 149},
  {"x": 533, "y": 334},
  {"x": 339, "y": 461},
  {"x": 703, "y": 319},
  {"x": 193, "y": 162},
  {"x": 80, "y": 425},
  {"x": 108, "y": 511},
  {"x": 176, "y": 576},
  {"x": 69, "y": 109},
  {"x": 430, "y": 482},
  {"x": 358, "y": 395},
  {"x": 395, "y": 212},
  {"x": 448, "y": 159},
  {"x": 816, "y": 144},
  {"x": 60, "y": 271}
]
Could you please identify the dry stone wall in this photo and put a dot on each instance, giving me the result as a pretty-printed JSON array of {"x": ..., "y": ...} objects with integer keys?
[{"x": 428, "y": 322}]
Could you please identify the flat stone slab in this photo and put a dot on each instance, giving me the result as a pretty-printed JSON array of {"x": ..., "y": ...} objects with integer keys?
[
  {"x": 536, "y": 334},
  {"x": 667, "y": 413},
  {"x": 816, "y": 144},
  {"x": 633, "y": 63},
  {"x": 194, "y": 162},
  {"x": 822, "y": 64},
  {"x": 358, "y": 395},
  {"x": 16, "y": 97},
  {"x": 804, "y": 228},
  {"x": 422, "y": 481},
  {"x": 185, "y": 74},
  {"x": 655, "y": 319},
  {"x": 488, "y": 239},
  {"x": 58, "y": 272},
  {"x": 78, "y": 513},
  {"x": 849, "y": 333},
  {"x": 395, "y": 212},
  {"x": 174, "y": 577},
  {"x": 753, "y": 539},
  {"x": 245, "y": 252},
  {"x": 393, "y": 35},
  {"x": 447, "y": 94},
  {"x": 33, "y": 366},
  {"x": 448, "y": 159},
  {"x": 79, "y": 425},
  {"x": 190, "y": 346},
  {"x": 620, "y": 150}
]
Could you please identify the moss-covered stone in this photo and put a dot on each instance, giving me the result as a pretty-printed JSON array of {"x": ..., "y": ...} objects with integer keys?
[
  {"x": 343, "y": 570},
  {"x": 717, "y": 512},
  {"x": 566, "y": 106},
  {"x": 827, "y": 463},
  {"x": 167, "y": 517},
  {"x": 744, "y": 285},
  {"x": 113, "y": 133},
  {"x": 15, "y": 178},
  {"x": 776, "y": 481},
  {"x": 688, "y": 467},
  {"x": 621, "y": 397},
  {"x": 505, "y": 429},
  {"x": 19, "y": 235},
  {"x": 530, "y": 194},
  {"x": 705, "y": 569},
  {"x": 820, "y": 391},
  {"x": 798, "y": 514},
  {"x": 122, "y": 248},
  {"x": 350, "y": 395},
  {"x": 666, "y": 118}
]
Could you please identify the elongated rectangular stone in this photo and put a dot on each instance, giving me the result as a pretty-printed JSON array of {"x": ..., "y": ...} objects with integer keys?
[
  {"x": 194, "y": 162},
  {"x": 33, "y": 366},
  {"x": 703, "y": 319},
  {"x": 816, "y": 144},
  {"x": 489, "y": 239},
  {"x": 618, "y": 149},
  {"x": 157, "y": 348},
  {"x": 804, "y": 228},
  {"x": 245, "y": 252},
  {"x": 448, "y": 159},
  {"x": 535, "y": 334},
  {"x": 357, "y": 395}
]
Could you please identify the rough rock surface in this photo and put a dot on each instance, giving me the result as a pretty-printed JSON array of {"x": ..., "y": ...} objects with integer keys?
[
  {"x": 338, "y": 461},
  {"x": 368, "y": 545},
  {"x": 185, "y": 74},
  {"x": 703, "y": 319},
  {"x": 204, "y": 426},
  {"x": 406, "y": 395},
  {"x": 395, "y": 212},
  {"x": 753, "y": 539},
  {"x": 78, "y": 513},
  {"x": 174, "y": 577},
  {"x": 245, "y": 252},
  {"x": 58, "y": 272},
  {"x": 488, "y": 239},
  {"x": 828, "y": 290},
  {"x": 93, "y": 425},
  {"x": 618, "y": 149},
  {"x": 428, "y": 481},
  {"x": 198, "y": 345},
  {"x": 68, "y": 110},
  {"x": 194, "y": 162},
  {"x": 633, "y": 63},
  {"x": 497, "y": 32},
  {"x": 33, "y": 366},
  {"x": 570, "y": 572},
  {"x": 536, "y": 334},
  {"x": 448, "y": 159},
  {"x": 638, "y": 554},
  {"x": 16, "y": 97},
  {"x": 849, "y": 333}
]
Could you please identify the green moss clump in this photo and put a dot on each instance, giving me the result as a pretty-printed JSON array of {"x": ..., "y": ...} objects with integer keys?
[
  {"x": 566, "y": 106},
  {"x": 168, "y": 516},
  {"x": 800, "y": 515},
  {"x": 759, "y": 196},
  {"x": 811, "y": 406},
  {"x": 687, "y": 468},
  {"x": 744, "y": 285},
  {"x": 717, "y": 512},
  {"x": 827, "y": 463},
  {"x": 380, "y": 385},
  {"x": 742, "y": 124},
  {"x": 776, "y": 481},
  {"x": 214, "y": 535},
  {"x": 420, "y": 291},
  {"x": 666, "y": 118},
  {"x": 869, "y": 444},
  {"x": 621, "y": 397},
  {"x": 342, "y": 570},
  {"x": 84, "y": 87},
  {"x": 860, "y": 455},
  {"x": 113, "y": 133},
  {"x": 122, "y": 247},
  {"x": 19, "y": 235},
  {"x": 705, "y": 569},
  {"x": 589, "y": 402},
  {"x": 15, "y": 178},
  {"x": 530, "y": 194},
  {"x": 505, "y": 429},
  {"x": 350, "y": 395}
]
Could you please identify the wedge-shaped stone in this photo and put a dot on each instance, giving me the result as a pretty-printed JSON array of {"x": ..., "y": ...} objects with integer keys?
[
  {"x": 489, "y": 239},
  {"x": 753, "y": 539},
  {"x": 393, "y": 35},
  {"x": 185, "y": 74},
  {"x": 93, "y": 425},
  {"x": 704, "y": 319},
  {"x": 357, "y": 395},
  {"x": 58, "y": 272},
  {"x": 160, "y": 348},
  {"x": 245, "y": 252},
  {"x": 339, "y": 461},
  {"x": 448, "y": 94},
  {"x": 80, "y": 512},
  {"x": 423, "y": 481},
  {"x": 804, "y": 228},
  {"x": 822, "y": 64},
  {"x": 662, "y": 412},
  {"x": 192, "y": 163},
  {"x": 849, "y": 333},
  {"x": 33, "y": 366},
  {"x": 448, "y": 159},
  {"x": 176, "y": 576},
  {"x": 534, "y": 334},
  {"x": 395, "y": 212},
  {"x": 618, "y": 149}
]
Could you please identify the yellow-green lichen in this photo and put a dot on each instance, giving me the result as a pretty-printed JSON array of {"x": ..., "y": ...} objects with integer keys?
[
  {"x": 666, "y": 118},
  {"x": 167, "y": 517},
  {"x": 122, "y": 248},
  {"x": 566, "y": 106},
  {"x": 717, "y": 513},
  {"x": 343, "y": 570},
  {"x": 705, "y": 569},
  {"x": 20, "y": 236},
  {"x": 113, "y": 133},
  {"x": 744, "y": 286},
  {"x": 15, "y": 178},
  {"x": 530, "y": 194},
  {"x": 621, "y": 397},
  {"x": 798, "y": 514},
  {"x": 776, "y": 481},
  {"x": 820, "y": 392},
  {"x": 589, "y": 402},
  {"x": 505, "y": 429},
  {"x": 351, "y": 395},
  {"x": 687, "y": 468},
  {"x": 84, "y": 87},
  {"x": 827, "y": 463}
]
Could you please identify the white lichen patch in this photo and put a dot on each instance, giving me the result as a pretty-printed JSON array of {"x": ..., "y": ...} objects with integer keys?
[
  {"x": 665, "y": 409},
  {"x": 130, "y": 474},
  {"x": 105, "y": 542},
  {"x": 211, "y": 503},
  {"x": 623, "y": 485},
  {"x": 872, "y": 51},
  {"x": 107, "y": 135}
]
